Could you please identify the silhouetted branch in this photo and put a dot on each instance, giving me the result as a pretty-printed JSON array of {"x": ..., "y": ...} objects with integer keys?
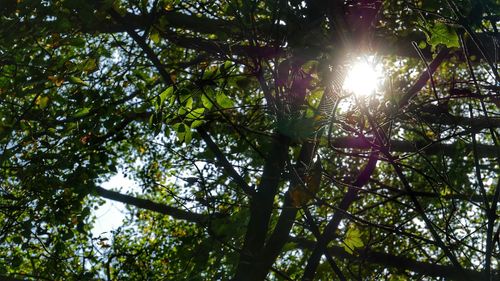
[
  {"x": 175, "y": 213},
  {"x": 394, "y": 261}
]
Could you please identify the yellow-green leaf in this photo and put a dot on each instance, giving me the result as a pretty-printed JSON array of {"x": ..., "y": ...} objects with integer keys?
[
  {"x": 196, "y": 113},
  {"x": 352, "y": 240},
  {"x": 197, "y": 123},
  {"x": 206, "y": 101},
  {"x": 189, "y": 103},
  {"x": 155, "y": 36},
  {"x": 443, "y": 34},
  {"x": 188, "y": 136},
  {"x": 165, "y": 94},
  {"x": 42, "y": 101},
  {"x": 77, "y": 80},
  {"x": 82, "y": 112},
  {"x": 223, "y": 100}
]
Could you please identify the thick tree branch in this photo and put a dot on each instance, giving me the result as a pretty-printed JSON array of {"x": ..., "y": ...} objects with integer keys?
[
  {"x": 433, "y": 114},
  {"x": 280, "y": 233},
  {"x": 396, "y": 262},
  {"x": 221, "y": 48},
  {"x": 331, "y": 227},
  {"x": 483, "y": 150},
  {"x": 10, "y": 278},
  {"x": 424, "y": 77},
  {"x": 286, "y": 219},
  {"x": 261, "y": 208},
  {"x": 222, "y": 160},
  {"x": 177, "y": 21},
  {"x": 152, "y": 206},
  {"x": 288, "y": 213}
]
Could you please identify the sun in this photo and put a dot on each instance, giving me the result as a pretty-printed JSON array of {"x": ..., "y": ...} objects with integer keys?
[{"x": 364, "y": 77}]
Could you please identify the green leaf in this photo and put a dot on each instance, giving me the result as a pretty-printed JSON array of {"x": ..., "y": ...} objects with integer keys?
[
  {"x": 180, "y": 130},
  {"x": 180, "y": 136},
  {"x": 197, "y": 123},
  {"x": 171, "y": 101},
  {"x": 226, "y": 66},
  {"x": 42, "y": 101},
  {"x": 196, "y": 113},
  {"x": 206, "y": 101},
  {"x": 442, "y": 34},
  {"x": 188, "y": 135},
  {"x": 210, "y": 73},
  {"x": 223, "y": 100},
  {"x": 90, "y": 65},
  {"x": 183, "y": 132},
  {"x": 155, "y": 36},
  {"x": 189, "y": 103},
  {"x": 243, "y": 82},
  {"x": 289, "y": 246},
  {"x": 151, "y": 119},
  {"x": 182, "y": 111},
  {"x": 77, "y": 80},
  {"x": 165, "y": 94},
  {"x": 352, "y": 240},
  {"x": 82, "y": 112}
]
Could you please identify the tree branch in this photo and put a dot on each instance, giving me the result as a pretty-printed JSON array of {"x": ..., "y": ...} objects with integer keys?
[
  {"x": 433, "y": 114},
  {"x": 222, "y": 160},
  {"x": 331, "y": 227},
  {"x": 396, "y": 262},
  {"x": 152, "y": 206},
  {"x": 382, "y": 44},
  {"x": 483, "y": 150},
  {"x": 261, "y": 208},
  {"x": 424, "y": 77},
  {"x": 10, "y": 278}
]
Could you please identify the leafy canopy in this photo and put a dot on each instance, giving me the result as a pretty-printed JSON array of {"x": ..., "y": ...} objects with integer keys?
[{"x": 251, "y": 159}]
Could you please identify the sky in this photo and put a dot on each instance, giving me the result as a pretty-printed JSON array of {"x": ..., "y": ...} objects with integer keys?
[{"x": 110, "y": 215}]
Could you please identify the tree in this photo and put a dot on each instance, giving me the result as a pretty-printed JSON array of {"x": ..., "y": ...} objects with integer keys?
[{"x": 253, "y": 159}]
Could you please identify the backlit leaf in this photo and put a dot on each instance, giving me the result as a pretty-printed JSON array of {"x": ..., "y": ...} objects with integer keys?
[
  {"x": 166, "y": 94},
  {"x": 352, "y": 240},
  {"x": 77, "y": 80},
  {"x": 206, "y": 101},
  {"x": 442, "y": 34},
  {"x": 82, "y": 112},
  {"x": 42, "y": 101},
  {"x": 223, "y": 100},
  {"x": 155, "y": 36}
]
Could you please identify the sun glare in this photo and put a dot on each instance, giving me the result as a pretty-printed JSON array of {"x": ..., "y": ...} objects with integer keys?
[{"x": 364, "y": 77}]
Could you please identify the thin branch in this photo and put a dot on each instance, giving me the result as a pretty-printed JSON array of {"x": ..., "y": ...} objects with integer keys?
[
  {"x": 144, "y": 46},
  {"x": 421, "y": 211}
]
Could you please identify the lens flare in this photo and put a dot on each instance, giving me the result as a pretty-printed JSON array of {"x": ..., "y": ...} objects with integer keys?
[{"x": 364, "y": 77}]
